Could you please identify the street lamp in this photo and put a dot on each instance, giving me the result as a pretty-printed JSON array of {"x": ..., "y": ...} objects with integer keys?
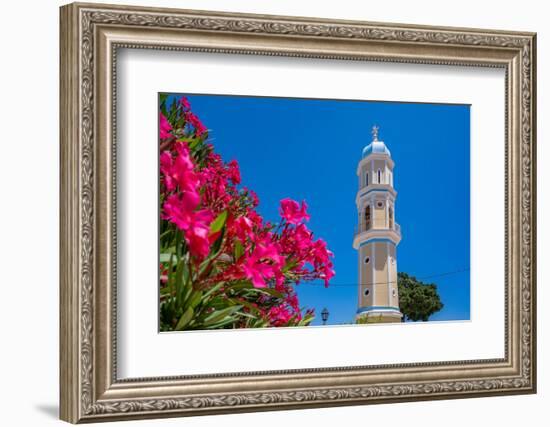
[{"x": 324, "y": 315}]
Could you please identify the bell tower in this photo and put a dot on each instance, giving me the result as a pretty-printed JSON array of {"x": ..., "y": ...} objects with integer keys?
[{"x": 377, "y": 235}]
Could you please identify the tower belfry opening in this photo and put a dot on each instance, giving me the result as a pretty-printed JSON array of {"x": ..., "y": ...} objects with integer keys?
[{"x": 377, "y": 235}]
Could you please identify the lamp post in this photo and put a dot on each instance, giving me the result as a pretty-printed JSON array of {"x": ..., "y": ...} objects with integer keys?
[{"x": 324, "y": 315}]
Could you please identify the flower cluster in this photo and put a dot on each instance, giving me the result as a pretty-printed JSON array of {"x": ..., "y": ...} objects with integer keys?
[
  {"x": 182, "y": 207},
  {"x": 226, "y": 239}
]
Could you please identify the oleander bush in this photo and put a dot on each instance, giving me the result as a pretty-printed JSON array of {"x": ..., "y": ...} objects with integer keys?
[{"x": 221, "y": 264}]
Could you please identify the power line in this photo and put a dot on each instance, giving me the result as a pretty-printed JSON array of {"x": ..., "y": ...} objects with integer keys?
[{"x": 447, "y": 273}]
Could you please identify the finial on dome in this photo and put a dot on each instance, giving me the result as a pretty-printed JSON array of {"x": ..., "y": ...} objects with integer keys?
[
  {"x": 376, "y": 146},
  {"x": 375, "y": 133}
]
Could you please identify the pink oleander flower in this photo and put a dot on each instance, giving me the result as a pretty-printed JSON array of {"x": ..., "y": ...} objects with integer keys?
[
  {"x": 233, "y": 172},
  {"x": 179, "y": 171},
  {"x": 292, "y": 300},
  {"x": 299, "y": 238},
  {"x": 263, "y": 263},
  {"x": 195, "y": 224},
  {"x": 242, "y": 228},
  {"x": 321, "y": 260},
  {"x": 198, "y": 239},
  {"x": 254, "y": 197},
  {"x": 279, "y": 315},
  {"x": 164, "y": 127},
  {"x": 256, "y": 218},
  {"x": 191, "y": 118},
  {"x": 326, "y": 274},
  {"x": 321, "y": 255},
  {"x": 257, "y": 271},
  {"x": 293, "y": 212},
  {"x": 185, "y": 103},
  {"x": 298, "y": 246}
]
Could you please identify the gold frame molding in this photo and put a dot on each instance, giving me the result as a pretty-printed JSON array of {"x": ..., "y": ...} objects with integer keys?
[{"x": 90, "y": 37}]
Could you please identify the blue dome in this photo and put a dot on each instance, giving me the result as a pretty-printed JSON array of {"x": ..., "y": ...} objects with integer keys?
[{"x": 376, "y": 147}]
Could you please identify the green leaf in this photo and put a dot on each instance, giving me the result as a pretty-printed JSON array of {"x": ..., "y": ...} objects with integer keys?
[
  {"x": 289, "y": 265},
  {"x": 205, "y": 265},
  {"x": 216, "y": 247},
  {"x": 306, "y": 320},
  {"x": 221, "y": 314},
  {"x": 165, "y": 291},
  {"x": 182, "y": 283},
  {"x": 248, "y": 305},
  {"x": 212, "y": 290},
  {"x": 242, "y": 313},
  {"x": 239, "y": 249},
  {"x": 170, "y": 281},
  {"x": 242, "y": 284},
  {"x": 226, "y": 321},
  {"x": 184, "y": 319},
  {"x": 179, "y": 238},
  {"x": 194, "y": 299},
  {"x": 219, "y": 222},
  {"x": 192, "y": 143},
  {"x": 166, "y": 237},
  {"x": 268, "y": 291},
  {"x": 162, "y": 99}
]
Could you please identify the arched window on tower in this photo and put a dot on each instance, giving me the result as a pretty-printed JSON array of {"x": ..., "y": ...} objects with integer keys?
[
  {"x": 379, "y": 176},
  {"x": 390, "y": 214},
  {"x": 367, "y": 218},
  {"x": 366, "y": 178}
]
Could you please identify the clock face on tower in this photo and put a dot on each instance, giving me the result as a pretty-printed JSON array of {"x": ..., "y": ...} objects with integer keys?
[{"x": 377, "y": 234}]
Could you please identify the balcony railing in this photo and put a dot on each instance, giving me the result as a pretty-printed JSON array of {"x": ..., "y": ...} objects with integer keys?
[{"x": 376, "y": 225}]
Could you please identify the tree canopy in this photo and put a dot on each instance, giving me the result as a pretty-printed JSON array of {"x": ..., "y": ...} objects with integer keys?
[{"x": 417, "y": 300}]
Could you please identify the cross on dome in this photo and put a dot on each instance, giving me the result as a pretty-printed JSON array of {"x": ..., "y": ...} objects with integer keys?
[{"x": 375, "y": 133}]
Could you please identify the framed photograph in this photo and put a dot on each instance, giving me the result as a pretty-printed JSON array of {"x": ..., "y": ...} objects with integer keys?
[{"x": 266, "y": 213}]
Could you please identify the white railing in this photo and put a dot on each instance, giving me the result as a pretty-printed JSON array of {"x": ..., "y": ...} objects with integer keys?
[{"x": 369, "y": 225}]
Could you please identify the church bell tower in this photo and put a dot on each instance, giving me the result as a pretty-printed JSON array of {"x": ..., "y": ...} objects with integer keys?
[{"x": 377, "y": 235}]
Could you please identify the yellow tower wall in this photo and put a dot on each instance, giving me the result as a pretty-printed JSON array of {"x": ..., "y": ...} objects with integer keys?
[
  {"x": 394, "y": 300},
  {"x": 379, "y": 215},
  {"x": 381, "y": 273},
  {"x": 366, "y": 276}
]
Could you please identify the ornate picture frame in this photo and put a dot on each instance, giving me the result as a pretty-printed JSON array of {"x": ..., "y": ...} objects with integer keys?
[{"x": 90, "y": 37}]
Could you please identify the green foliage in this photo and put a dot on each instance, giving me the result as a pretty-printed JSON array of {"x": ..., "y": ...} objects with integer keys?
[{"x": 417, "y": 300}]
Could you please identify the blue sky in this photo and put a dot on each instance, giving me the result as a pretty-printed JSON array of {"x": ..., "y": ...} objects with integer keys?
[{"x": 308, "y": 149}]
